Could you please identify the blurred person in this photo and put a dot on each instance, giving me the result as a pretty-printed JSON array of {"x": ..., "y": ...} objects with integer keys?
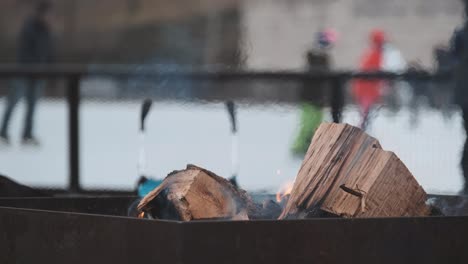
[
  {"x": 318, "y": 59},
  {"x": 395, "y": 93},
  {"x": 393, "y": 60},
  {"x": 459, "y": 51},
  {"x": 35, "y": 46},
  {"x": 425, "y": 93},
  {"x": 419, "y": 89},
  {"x": 440, "y": 94},
  {"x": 368, "y": 92}
]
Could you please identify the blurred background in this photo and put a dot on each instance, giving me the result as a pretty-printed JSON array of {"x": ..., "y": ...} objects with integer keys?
[{"x": 421, "y": 119}]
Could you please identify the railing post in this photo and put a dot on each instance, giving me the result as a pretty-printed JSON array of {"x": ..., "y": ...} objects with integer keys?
[{"x": 73, "y": 98}]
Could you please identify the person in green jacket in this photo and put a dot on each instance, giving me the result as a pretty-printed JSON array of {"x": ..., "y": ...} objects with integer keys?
[{"x": 311, "y": 114}]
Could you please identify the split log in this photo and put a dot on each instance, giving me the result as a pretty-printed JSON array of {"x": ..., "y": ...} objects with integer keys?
[
  {"x": 347, "y": 173},
  {"x": 196, "y": 194}
]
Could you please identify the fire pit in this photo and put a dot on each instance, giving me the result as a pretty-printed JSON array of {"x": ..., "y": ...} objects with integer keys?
[
  {"x": 95, "y": 230},
  {"x": 351, "y": 202}
]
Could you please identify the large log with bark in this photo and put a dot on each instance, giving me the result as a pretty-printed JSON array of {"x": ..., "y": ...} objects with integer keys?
[
  {"x": 347, "y": 173},
  {"x": 195, "y": 194}
]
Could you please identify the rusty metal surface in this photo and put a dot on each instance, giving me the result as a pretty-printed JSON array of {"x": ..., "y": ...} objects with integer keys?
[
  {"x": 90, "y": 205},
  {"x": 33, "y": 236},
  {"x": 38, "y": 236},
  {"x": 403, "y": 240}
]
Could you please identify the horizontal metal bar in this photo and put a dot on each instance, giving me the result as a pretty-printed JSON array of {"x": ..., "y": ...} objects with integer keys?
[
  {"x": 210, "y": 74},
  {"x": 91, "y": 192}
]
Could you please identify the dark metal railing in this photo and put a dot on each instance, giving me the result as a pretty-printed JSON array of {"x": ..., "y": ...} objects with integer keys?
[
  {"x": 221, "y": 74},
  {"x": 74, "y": 73}
]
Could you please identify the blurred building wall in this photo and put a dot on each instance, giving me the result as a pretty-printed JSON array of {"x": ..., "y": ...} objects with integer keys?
[
  {"x": 278, "y": 33},
  {"x": 262, "y": 33},
  {"x": 132, "y": 31}
]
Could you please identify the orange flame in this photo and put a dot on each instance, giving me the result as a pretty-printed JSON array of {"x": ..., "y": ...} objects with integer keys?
[
  {"x": 141, "y": 215},
  {"x": 284, "y": 190}
]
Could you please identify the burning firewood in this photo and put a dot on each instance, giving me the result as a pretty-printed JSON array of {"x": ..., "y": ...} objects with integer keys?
[
  {"x": 195, "y": 194},
  {"x": 346, "y": 173}
]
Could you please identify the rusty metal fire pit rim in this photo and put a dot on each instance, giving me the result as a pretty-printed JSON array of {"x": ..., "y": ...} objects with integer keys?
[{"x": 203, "y": 222}]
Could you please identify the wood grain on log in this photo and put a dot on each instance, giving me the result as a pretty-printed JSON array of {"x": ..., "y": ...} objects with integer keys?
[
  {"x": 347, "y": 173},
  {"x": 196, "y": 194}
]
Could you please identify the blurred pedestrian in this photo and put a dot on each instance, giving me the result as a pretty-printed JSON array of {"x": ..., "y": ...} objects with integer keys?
[
  {"x": 35, "y": 46},
  {"x": 368, "y": 92},
  {"x": 459, "y": 50},
  {"x": 318, "y": 59}
]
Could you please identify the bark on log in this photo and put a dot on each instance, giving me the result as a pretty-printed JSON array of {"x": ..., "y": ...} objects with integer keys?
[
  {"x": 347, "y": 173},
  {"x": 196, "y": 194}
]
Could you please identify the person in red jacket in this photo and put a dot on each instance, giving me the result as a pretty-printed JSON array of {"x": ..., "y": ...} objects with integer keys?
[{"x": 368, "y": 92}]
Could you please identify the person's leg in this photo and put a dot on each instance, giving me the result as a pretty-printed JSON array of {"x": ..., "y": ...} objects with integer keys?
[
  {"x": 337, "y": 100},
  {"x": 365, "y": 118},
  {"x": 14, "y": 93},
  {"x": 33, "y": 91},
  {"x": 464, "y": 160}
]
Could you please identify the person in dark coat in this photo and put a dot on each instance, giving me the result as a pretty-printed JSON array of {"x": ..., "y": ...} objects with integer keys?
[
  {"x": 459, "y": 51},
  {"x": 35, "y": 46}
]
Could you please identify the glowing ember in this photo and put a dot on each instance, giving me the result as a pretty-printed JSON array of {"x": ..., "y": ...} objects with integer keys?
[
  {"x": 141, "y": 215},
  {"x": 284, "y": 191}
]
